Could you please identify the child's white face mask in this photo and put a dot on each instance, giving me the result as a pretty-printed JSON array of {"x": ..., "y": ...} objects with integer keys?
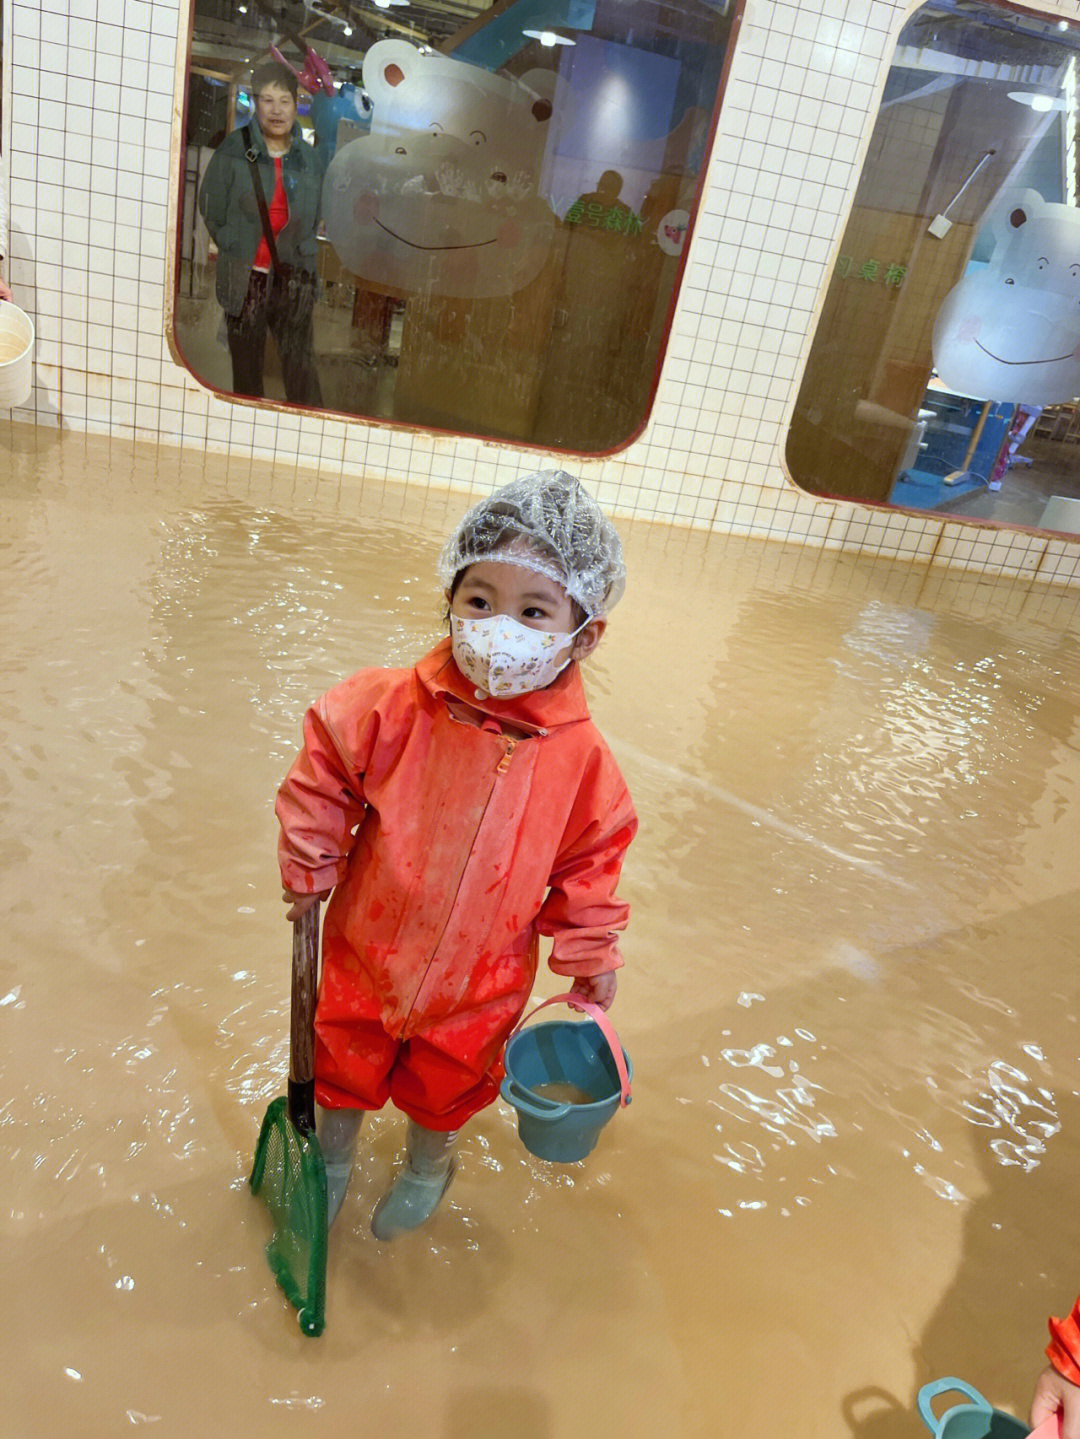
[{"x": 506, "y": 658}]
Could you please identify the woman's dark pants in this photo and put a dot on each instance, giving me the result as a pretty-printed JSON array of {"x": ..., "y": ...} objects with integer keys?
[{"x": 285, "y": 308}]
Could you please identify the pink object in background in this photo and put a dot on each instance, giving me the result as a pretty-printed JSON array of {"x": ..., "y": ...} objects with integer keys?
[{"x": 316, "y": 74}]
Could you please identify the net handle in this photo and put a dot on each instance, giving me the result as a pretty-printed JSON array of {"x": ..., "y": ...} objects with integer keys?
[{"x": 305, "y": 980}]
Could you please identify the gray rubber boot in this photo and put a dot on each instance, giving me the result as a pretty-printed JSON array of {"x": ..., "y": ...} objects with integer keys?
[
  {"x": 337, "y": 1131},
  {"x": 415, "y": 1193}
]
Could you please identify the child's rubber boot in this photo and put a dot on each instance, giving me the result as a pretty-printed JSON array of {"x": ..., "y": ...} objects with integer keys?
[
  {"x": 415, "y": 1193},
  {"x": 337, "y": 1131}
]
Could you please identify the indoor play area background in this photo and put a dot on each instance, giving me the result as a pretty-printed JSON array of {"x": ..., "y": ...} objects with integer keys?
[{"x": 92, "y": 135}]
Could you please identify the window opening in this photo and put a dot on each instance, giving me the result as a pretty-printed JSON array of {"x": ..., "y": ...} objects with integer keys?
[{"x": 945, "y": 370}]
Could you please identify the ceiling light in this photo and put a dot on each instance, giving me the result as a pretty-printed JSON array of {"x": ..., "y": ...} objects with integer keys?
[
  {"x": 1034, "y": 100},
  {"x": 548, "y": 38}
]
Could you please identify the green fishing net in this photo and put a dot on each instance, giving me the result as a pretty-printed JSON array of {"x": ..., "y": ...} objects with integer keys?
[{"x": 289, "y": 1176}]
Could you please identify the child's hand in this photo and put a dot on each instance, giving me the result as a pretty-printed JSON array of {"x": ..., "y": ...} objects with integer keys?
[
  {"x": 598, "y": 989},
  {"x": 1053, "y": 1392},
  {"x": 301, "y": 903}
]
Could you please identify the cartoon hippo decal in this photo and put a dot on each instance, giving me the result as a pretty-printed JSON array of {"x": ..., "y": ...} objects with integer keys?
[
  {"x": 442, "y": 197},
  {"x": 1011, "y": 331}
]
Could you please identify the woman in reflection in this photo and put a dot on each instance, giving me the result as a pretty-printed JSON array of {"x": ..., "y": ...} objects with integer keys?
[{"x": 256, "y": 288}]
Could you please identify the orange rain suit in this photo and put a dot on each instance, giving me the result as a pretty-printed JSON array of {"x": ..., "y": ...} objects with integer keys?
[{"x": 471, "y": 840}]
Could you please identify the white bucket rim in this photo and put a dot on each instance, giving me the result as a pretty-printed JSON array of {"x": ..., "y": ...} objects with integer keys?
[{"x": 30, "y": 339}]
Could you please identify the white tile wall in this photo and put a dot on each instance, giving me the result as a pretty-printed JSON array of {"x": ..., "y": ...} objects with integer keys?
[{"x": 91, "y": 111}]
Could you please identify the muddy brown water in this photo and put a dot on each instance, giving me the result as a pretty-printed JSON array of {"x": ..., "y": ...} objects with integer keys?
[
  {"x": 560, "y": 1091},
  {"x": 852, "y": 1159}
]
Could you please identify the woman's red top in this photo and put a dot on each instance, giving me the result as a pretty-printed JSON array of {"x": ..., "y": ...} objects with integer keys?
[{"x": 279, "y": 215}]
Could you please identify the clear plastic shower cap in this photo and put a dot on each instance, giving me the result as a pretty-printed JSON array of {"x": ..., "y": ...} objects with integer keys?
[{"x": 549, "y": 523}]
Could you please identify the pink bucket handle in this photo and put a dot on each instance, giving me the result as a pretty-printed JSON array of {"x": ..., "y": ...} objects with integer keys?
[
  {"x": 1050, "y": 1428},
  {"x": 607, "y": 1029}
]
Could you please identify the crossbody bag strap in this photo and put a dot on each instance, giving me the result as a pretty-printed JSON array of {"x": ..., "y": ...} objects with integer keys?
[{"x": 251, "y": 155}]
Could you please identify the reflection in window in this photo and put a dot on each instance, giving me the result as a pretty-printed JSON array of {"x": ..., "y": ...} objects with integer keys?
[
  {"x": 443, "y": 214},
  {"x": 945, "y": 369}
]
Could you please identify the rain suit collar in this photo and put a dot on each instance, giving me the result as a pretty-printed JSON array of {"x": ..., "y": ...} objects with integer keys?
[{"x": 562, "y": 702}]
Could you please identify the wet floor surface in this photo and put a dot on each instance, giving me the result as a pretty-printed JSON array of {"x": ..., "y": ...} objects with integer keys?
[{"x": 851, "y": 1161}]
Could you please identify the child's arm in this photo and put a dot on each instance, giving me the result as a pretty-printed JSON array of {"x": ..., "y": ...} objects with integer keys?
[
  {"x": 301, "y": 903},
  {"x": 582, "y": 912},
  {"x": 319, "y": 805},
  {"x": 1054, "y": 1393},
  {"x": 1058, "y": 1387},
  {"x": 598, "y": 989}
]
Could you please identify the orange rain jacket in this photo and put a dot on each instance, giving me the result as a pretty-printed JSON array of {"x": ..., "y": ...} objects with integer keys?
[{"x": 470, "y": 842}]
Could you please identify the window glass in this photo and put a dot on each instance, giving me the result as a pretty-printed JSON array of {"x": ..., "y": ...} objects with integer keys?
[
  {"x": 444, "y": 214},
  {"x": 945, "y": 369}
]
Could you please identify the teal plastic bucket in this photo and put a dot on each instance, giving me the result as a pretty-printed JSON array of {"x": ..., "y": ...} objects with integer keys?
[
  {"x": 975, "y": 1419},
  {"x": 586, "y": 1055}
]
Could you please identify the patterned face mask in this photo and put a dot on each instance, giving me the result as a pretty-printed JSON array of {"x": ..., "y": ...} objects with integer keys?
[{"x": 504, "y": 658}]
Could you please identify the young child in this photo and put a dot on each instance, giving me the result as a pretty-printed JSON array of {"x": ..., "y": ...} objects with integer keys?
[{"x": 458, "y": 811}]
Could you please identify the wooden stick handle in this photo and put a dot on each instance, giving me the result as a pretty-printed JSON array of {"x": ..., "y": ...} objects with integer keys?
[{"x": 305, "y": 979}]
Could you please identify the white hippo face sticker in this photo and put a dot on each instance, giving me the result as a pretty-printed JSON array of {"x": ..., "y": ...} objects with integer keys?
[
  {"x": 1011, "y": 332},
  {"x": 442, "y": 196}
]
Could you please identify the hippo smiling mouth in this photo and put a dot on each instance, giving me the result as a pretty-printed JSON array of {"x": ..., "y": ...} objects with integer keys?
[
  {"x": 479, "y": 245},
  {"x": 1052, "y": 361}
]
